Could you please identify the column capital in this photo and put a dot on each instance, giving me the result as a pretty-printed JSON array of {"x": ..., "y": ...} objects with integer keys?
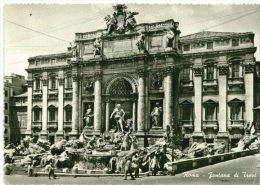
[
  {"x": 223, "y": 69},
  {"x": 44, "y": 81},
  {"x": 97, "y": 75},
  {"x": 75, "y": 77},
  {"x": 249, "y": 67},
  {"x": 61, "y": 81},
  {"x": 168, "y": 70},
  {"x": 198, "y": 71},
  {"x": 141, "y": 72},
  {"x": 30, "y": 83}
]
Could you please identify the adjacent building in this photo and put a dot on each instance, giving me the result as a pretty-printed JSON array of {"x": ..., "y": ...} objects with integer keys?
[
  {"x": 13, "y": 85},
  {"x": 203, "y": 83}
]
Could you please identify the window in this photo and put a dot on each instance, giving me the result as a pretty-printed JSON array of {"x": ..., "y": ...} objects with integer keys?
[
  {"x": 68, "y": 113},
  {"x": 6, "y": 93},
  {"x": 210, "y": 72},
  {"x": 186, "y": 112},
  {"x": 210, "y": 112},
  {"x": 186, "y": 47},
  {"x": 236, "y": 111},
  {"x": 52, "y": 115},
  {"x": 53, "y": 83},
  {"x": 235, "y": 70},
  {"x": 69, "y": 82},
  {"x": 53, "y": 62},
  {"x": 235, "y": 42},
  {"x": 6, "y": 119},
  {"x": 209, "y": 45},
  {"x": 37, "y": 84},
  {"x": 37, "y": 115},
  {"x": 185, "y": 74},
  {"x": 38, "y": 63},
  {"x": 6, "y": 106},
  {"x": 13, "y": 93}
]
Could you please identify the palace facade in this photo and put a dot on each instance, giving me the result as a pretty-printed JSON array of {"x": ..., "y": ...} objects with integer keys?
[{"x": 203, "y": 83}]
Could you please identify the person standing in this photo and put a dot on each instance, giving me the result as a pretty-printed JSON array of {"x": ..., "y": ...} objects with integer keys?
[
  {"x": 30, "y": 170},
  {"x": 136, "y": 162},
  {"x": 128, "y": 169},
  {"x": 154, "y": 165},
  {"x": 50, "y": 169}
]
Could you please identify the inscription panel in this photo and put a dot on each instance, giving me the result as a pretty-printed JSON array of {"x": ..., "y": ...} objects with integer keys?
[
  {"x": 122, "y": 45},
  {"x": 156, "y": 41}
]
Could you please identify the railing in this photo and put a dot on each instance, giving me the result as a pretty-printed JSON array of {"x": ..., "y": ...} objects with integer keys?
[
  {"x": 210, "y": 82},
  {"x": 67, "y": 89},
  {"x": 67, "y": 124},
  {"x": 53, "y": 91},
  {"x": 37, "y": 124},
  {"x": 52, "y": 124},
  {"x": 186, "y": 83},
  {"x": 187, "y": 123},
  {"x": 210, "y": 124},
  {"x": 236, "y": 124},
  {"x": 37, "y": 91},
  {"x": 236, "y": 80}
]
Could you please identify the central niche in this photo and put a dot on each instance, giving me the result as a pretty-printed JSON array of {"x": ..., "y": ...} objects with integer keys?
[{"x": 121, "y": 87}]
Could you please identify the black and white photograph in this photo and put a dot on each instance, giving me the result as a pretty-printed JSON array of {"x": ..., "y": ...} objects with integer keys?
[{"x": 149, "y": 93}]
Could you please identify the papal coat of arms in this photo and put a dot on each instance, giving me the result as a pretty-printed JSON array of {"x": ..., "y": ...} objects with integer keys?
[{"x": 121, "y": 21}]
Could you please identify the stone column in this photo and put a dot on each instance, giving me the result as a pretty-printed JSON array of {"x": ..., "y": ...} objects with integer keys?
[
  {"x": 44, "y": 132},
  {"x": 197, "y": 134},
  {"x": 134, "y": 115},
  {"x": 97, "y": 102},
  {"x": 59, "y": 133},
  {"x": 249, "y": 94},
  {"x": 75, "y": 107},
  {"x": 168, "y": 99},
  {"x": 29, "y": 107},
  {"x": 80, "y": 115},
  {"x": 222, "y": 135},
  {"x": 107, "y": 114},
  {"x": 141, "y": 101},
  {"x": 222, "y": 118}
]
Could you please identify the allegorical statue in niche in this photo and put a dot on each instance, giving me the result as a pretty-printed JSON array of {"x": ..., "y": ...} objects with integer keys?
[
  {"x": 111, "y": 23},
  {"x": 97, "y": 46},
  {"x": 89, "y": 117},
  {"x": 156, "y": 115},
  {"x": 89, "y": 86},
  {"x": 118, "y": 114},
  {"x": 169, "y": 37},
  {"x": 140, "y": 42}
]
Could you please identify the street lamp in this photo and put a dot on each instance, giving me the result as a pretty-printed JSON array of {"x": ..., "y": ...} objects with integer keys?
[{"x": 174, "y": 138}]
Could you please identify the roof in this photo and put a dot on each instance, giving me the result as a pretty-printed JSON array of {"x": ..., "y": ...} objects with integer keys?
[
  {"x": 22, "y": 95},
  {"x": 210, "y": 34}
]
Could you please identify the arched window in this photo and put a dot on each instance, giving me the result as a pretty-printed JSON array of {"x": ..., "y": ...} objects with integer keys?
[
  {"x": 211, "y": 110},
  {"x": 37, "y": 113},
  {"x": 37, "y": 82},
  {"x": 236, "y": 110},
  {"x": 235, "y": 68},
  {"x": 52, "y": 81},
  {"x": 121, "y": 87},
  {"x": 52, "y": 113},
  {"x": 68, "y": 81}
]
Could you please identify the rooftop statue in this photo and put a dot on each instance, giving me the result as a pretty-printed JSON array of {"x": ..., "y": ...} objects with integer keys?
[{"x": 121, "y": 20}]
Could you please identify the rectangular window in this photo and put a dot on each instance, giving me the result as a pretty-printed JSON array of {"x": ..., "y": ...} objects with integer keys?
[
  {"x": 6, "y": 106},
  {"x": 186, "y": 47},
  {"x": 37, "y": 84},
  {"x": 210, "y": 72},
  {"x": 6, "y": 93},
  {"x": 68, "y": 115},
  {"x": 186, "y": 112},
  {"x": 235, "y": 42},
  {"x": 52, "y": 115},
  {"x": 186, "y": 74},
  {"x": 53, "y": 83},
  {"x": 236, "y": 112},
  {"x": 37, "y": 115},
  {"x": 210, "y": 113},
  {"x": 38, "y": 63},
  {"x": 69, "y": 82},
  {"x": 6, "y": 119},
  {"x": 53, "y": 62},
  {"x": 235, "y": 70},
  {"x": 209, "y": 45}
]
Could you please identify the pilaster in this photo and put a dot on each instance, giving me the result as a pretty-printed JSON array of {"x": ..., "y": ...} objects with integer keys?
[
  {"x": 44, "y": 132},
  {"x": 59, "y": 133},
  {"x": 29, "y": 107}
]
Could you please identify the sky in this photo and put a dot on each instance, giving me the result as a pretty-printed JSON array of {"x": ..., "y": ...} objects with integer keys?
[{"x": 62, "y": 21}]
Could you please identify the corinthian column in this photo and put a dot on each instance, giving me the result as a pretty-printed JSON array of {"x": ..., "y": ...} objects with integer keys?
[
  {"x": 97, "y": 102},
  {"x": 168, "y": 93},
  {"x": 141, "y": 101},
  {"x": 44, "y": 131},
  {"x": 59, "y": 133},
  {"x": 75, "y": 108},
  {"x": 29, "y": 108},
  {"x": 249, "y": 94}
]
